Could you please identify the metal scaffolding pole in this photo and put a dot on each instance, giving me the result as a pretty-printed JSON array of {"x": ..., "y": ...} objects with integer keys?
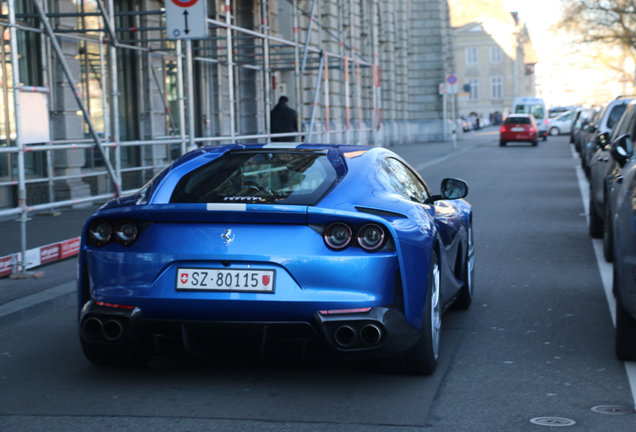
[
  {"x": 182, "y": 129},
  {"x": 311, "y": 21},
  {"x": 22, "y": 196},
  {"x": 299, "y": 96},
  {"x": 114, "y": 94},
  {"x": 190, "y": 73},
  {"x": 315, "y": 103},
  {"x": 69, "y": 76},
  {"x": 266, "y": 71},
  {"x": 230, "y": 66}
]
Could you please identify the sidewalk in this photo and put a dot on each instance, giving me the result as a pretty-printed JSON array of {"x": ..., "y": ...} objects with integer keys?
[{"x": 22, "y": 299}]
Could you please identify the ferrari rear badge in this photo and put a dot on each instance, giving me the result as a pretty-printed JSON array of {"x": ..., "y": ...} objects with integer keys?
[{"x": 227, "y": 237}]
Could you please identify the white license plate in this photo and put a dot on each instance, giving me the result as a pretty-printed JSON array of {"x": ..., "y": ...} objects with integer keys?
[
  {"x": 243, "y": 280},
  {"x": 517, "y": 129}
]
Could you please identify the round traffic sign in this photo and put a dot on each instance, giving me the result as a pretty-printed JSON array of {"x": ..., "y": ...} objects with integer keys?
[
  {"x": 451, "y": 79},
  {"x": 184, "y": 3}
]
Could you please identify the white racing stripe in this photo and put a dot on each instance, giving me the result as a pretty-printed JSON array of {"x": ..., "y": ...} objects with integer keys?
[
  {"x": 226, "y": 207},
  {"x": 604, "y": 268}
]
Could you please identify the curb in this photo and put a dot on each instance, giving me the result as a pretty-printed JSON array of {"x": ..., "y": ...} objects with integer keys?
[{"x": 37, "y": 304}]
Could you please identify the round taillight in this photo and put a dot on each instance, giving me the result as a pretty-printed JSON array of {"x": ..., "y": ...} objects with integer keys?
[
  {"x": 371, "y": 237},
  {"x": 100, "y": 232},
  {"x": 126, "y": 232},
  {"x": 337, "y": 235}
]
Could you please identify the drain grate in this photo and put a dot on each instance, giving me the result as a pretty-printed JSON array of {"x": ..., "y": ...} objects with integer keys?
[
  {"x": 552, "y": 421},
  {"x": 612, "y": 409}
]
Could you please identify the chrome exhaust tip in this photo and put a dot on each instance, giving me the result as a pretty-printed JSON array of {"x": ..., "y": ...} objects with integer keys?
[
  {"x": 345, "y": 336},
  {"x": 93, "y": 327},
  {"x": 113, "y": 330},
  {"x": 370, "y": 334}
]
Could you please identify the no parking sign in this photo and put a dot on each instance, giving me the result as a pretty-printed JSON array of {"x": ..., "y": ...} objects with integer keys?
[
  {"x": 186, "y": 19},
  {"x": 451, "y": 84}
]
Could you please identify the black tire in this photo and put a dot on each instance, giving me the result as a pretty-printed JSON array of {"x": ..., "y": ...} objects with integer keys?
[
  {"x": 465, "y": 297},
  {"x": 545, "y": 137},
  {"x": 608, "y": 235},
  {"x": 535, "y": 143},
  {"x": 502, "y": 143},
  {"x": 101, "y": 357},
  {"x": 596, "y": 222},
  {"x": 625, "y": 333},
  {"x": 421, "y": 359}
]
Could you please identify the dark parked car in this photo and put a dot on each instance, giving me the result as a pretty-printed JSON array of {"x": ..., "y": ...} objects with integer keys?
[
  {"x": 581, "y": 118},
  {"x": 602, "y": 122},
  {"x": 519, "y": 128},
  {"x": 277, "y": 249},
  {"x": 603, "y": 173},
  {"x": 624, "y": 242}
]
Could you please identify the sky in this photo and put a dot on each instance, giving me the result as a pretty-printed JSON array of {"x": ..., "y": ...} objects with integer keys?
[{"x": 538, "y": 15}]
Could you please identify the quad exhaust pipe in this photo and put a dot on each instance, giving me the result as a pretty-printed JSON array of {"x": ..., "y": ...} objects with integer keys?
[
  {"x": 111, "y": 330},
  {"x": 370, "y": 334},
  {"x": 345, "y": 335}
]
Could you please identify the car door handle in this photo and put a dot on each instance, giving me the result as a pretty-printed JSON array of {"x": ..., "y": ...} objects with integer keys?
[
  {"x": 602, "y": 159},
  {"x": 619, "y": 179}
]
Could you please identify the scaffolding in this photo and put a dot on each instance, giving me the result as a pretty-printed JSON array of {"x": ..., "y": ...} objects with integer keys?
[{"x": 236, "y": 71}]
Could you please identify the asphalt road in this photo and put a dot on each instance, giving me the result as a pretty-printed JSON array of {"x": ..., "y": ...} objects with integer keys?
[{"x": 537, "y": 341}]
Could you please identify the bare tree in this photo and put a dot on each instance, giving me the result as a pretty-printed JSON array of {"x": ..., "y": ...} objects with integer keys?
[{"x": 607, "y": 22}]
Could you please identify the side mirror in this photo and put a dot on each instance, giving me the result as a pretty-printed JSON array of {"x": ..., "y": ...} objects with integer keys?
[
  {"x": 622, "y": 149},
  {"x": 451, "y": 189},
  {"x": 454, "y": 188},
  {"x": 602, "y": 140},
  {"x": 591, "y": 128}
]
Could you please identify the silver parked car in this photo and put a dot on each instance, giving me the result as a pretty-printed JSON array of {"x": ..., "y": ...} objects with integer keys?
[{"x": 561, "y": 124}]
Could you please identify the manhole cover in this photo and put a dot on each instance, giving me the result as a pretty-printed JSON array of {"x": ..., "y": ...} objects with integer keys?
[
  {"x": 612, "y": 409},
  {"x": 552, "y": 421}
]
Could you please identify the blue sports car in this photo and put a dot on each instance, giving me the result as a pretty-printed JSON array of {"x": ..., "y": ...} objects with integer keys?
[{"x": 277, "y": 249}]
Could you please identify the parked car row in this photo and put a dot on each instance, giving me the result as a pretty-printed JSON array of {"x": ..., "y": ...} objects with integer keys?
[{"x": 607, "y": 155}]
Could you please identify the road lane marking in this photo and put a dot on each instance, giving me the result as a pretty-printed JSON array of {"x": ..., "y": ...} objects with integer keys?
[
  {"x": 421, "y": 166},
  {"x": 604, "y": 268}
]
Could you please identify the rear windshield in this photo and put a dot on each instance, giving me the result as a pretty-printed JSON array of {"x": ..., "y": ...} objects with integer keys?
[
  {"x": 298, "y": 177},
  {"x": 517, "y": 120},
  {"x": 535, "y": 109},
  {"x": 615, "y": 114}
]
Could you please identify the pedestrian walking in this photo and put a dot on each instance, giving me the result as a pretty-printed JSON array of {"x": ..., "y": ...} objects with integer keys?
[{"x": 283, "y": 119}]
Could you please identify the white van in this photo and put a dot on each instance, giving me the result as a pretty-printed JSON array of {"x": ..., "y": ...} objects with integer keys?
[{"x": 536, "y": 107}]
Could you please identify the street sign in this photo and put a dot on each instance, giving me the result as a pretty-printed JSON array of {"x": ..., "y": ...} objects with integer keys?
[
  {"x": 443, "y": 88},
  {"x": 451, "y": 84},
  {"x": 186, "y": 19}
]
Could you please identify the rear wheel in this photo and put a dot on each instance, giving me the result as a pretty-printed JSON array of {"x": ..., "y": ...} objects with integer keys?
[
  {"x": 596, "y": 223},
  {"x": 535, "y": 143},
  {"x": 502, "y": 143},
  {"x": 625, "y": 333},
  {"x": 554, "y": 131},
  {"x": 421, "y": 359},
  {"x": 608, "y": 235},
  {"x": 545, "y": 137}
]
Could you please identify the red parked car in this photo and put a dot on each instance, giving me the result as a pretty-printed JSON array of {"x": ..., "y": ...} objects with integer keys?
[{"x": 519, "y": 127}]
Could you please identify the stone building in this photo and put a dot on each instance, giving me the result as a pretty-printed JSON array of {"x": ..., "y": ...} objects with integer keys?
[
  {"x": 494, "y": 57},
  {"x": 356, "y": 71}
]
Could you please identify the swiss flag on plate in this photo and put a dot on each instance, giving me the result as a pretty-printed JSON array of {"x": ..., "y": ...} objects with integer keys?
[{"x": 266, "y": 280}]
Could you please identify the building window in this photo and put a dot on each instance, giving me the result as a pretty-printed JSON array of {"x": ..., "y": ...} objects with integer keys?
[
  {"x": 496, "y": 88},
  {"x": 474, "y": 88},
  {"x": 471, "y": 56},
  {"x": 496, "y": 54}
]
